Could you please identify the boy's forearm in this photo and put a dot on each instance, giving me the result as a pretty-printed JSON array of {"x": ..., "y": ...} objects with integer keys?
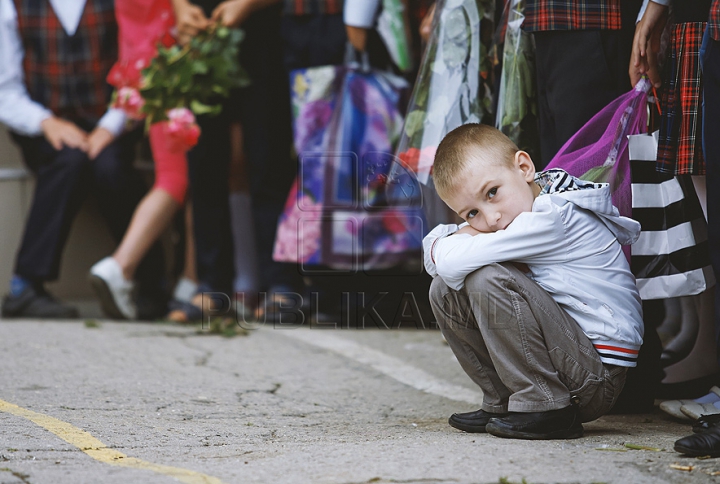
[
  {"x": 452, "y": 261},
  {"x": 536, "y": 237}
]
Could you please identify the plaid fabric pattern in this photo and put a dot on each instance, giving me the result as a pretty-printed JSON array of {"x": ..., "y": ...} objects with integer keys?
[
  {"x": 501, "y": 29},
  {"x": 541, "y": 15},
  {"x": 680, "y": 143},
  {"x": 308, "y": 7},
  {"x": 63, "y": 73},
  {"x": 714, "y": 21}
]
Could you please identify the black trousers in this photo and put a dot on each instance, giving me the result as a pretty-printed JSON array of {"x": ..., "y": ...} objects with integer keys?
[
  {"x": 264, "y": 112},
  {"x": 64, "y": 178},
  {"x": 710, "y": 61},
  {"x": 579, "y": 72}
]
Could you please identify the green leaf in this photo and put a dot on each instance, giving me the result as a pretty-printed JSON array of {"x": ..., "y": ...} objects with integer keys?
[
  {"x": 194, "y": 75},
  {"x": 200, "y": 108},
  {"x": 199, "y": 67},
  {"x": 414, "y": 122}
]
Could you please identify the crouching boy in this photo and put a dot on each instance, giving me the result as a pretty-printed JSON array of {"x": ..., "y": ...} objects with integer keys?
[{"x": 533, "y": 294}]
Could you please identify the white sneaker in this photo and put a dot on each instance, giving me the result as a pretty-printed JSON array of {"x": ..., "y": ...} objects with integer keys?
[
  {"x": 113, "y": 290},
  {"x": 185, "y": 290}
]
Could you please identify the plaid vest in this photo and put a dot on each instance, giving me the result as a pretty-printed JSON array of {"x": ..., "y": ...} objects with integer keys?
[
  {"x": 714, "y": 21},
  {"x": 541, "y": 15},
  {"x": 64, "y": 73},
  {"x": 307, "y": 7}
]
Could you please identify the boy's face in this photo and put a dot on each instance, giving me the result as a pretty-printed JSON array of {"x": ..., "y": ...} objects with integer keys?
[{"x": 490, "y": 195}]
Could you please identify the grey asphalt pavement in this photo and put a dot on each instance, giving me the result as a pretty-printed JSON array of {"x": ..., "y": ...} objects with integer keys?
[{"x": 280, "y": 406}]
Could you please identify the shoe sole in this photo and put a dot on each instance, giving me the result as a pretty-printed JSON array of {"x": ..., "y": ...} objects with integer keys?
[
  {"x": 473, "y": 429},
  {"x": 68, "y": 315},
  {"x": 107, "y": 301},
  {"x": 694, "y": 452},
  {"x": 516, "y": 434}
]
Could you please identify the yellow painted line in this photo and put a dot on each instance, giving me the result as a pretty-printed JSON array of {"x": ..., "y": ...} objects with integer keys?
[{"x": 99, "y": 451}]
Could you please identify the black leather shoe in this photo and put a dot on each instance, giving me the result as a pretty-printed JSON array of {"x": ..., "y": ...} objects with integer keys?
[
  {"x": 703, "y": 443},
  {"x": 553, "y": 424},
  {"x": 33, "y": 303},
  {"x": 706, "y": 422},
  {"x": 473, "y": 422}
]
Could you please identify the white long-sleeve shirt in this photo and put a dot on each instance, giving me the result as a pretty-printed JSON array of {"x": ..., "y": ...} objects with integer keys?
[
  {"x": 17, "y": 110},
  {"x": 360, "y": 13},
  {"x": 570, "y": 241},
  {"x": 665, "y": 3}
]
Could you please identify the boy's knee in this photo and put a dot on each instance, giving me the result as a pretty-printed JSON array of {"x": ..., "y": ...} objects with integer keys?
[
  {"x": 480, "y": 279},
  {"x": 72, "y": 160},
  {"x": 438, "y": 289}
]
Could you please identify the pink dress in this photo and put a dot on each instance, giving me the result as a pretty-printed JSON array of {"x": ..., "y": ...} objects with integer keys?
[{"x": 142, "y": 25}]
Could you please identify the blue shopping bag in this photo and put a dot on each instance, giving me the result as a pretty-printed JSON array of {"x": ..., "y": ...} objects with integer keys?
[{"x": 344, "y": 211}]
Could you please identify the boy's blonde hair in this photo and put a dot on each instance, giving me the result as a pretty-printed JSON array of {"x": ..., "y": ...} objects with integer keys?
[{"x": 478, "y": 141}]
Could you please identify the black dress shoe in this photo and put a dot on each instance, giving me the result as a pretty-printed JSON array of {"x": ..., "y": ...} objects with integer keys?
[
  {"x": 703, "y": 443},
  {"x": 473, "y": 422},
  {"x": 706, "y": 422},
  {"x": 695, "y": 388},
  {"x": 34, "y": 303},
  {"x": 553, "y": 424}
]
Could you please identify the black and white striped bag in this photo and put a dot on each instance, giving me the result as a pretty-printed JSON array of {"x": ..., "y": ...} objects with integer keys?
[{"x": 671, "y": 257}]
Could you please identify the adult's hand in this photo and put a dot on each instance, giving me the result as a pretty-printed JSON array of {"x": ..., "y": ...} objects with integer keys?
[
  {"x": 232, "y": 13},
  {"x": 190, "y": 20},
  {"x": 426, "y": 24},
  {"x": 646, "y": 44},
  {"x": 60, "y": 133},
  {"x": 98, "y": 141},
  {"x": 357, "y": 36}
]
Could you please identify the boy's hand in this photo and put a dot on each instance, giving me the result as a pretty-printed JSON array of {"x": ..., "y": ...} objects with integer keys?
[
  {"x": 98, "y": 140},
  {"x": 190, "y": 20},
  {"x": 468, "y": 230},
  {"x": 59, "y": 133}
]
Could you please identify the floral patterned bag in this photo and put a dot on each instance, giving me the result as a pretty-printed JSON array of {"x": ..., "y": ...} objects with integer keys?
[
  {"x": 342, "y": 212},
  {"x": 452, "y": 86}
]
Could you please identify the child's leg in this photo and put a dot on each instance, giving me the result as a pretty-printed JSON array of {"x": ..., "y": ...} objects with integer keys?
[
  {"x": 242, "y": 220},
  {"x": 539, "y": 352},
  {"x": 151, "y": 218},
  {"x": 157, "y": 209},
  {"x": 457, "y": 323}
]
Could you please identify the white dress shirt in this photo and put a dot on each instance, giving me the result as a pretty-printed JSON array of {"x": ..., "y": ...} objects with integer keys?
[
  {"x": 360, "y": 13},
  {"x": 17, "y": 111},
  {"x": 665, "y": 3}
]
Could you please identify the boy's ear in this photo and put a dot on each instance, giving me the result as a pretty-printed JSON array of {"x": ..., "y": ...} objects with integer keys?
[{"x": 526, "y": 165}]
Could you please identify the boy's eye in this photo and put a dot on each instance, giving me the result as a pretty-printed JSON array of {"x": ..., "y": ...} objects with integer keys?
[
  {"x": 492, "y": 192},
  {"x": 471, "y": 214}
]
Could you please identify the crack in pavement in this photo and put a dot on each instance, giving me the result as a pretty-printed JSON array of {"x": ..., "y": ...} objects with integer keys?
[
  {"x": 23, "y": 477},
  {"x": 380, "y": 480}
]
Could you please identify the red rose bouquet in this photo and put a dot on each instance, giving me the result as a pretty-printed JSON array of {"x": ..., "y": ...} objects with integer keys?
[{"x": 182, "y": 82}]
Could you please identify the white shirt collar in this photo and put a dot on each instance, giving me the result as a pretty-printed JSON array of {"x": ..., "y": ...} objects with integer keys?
[{"x": 69, "y": 13}]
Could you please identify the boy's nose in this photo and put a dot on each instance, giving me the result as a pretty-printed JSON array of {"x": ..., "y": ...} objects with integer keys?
[{"x": 492, "y": 220}]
